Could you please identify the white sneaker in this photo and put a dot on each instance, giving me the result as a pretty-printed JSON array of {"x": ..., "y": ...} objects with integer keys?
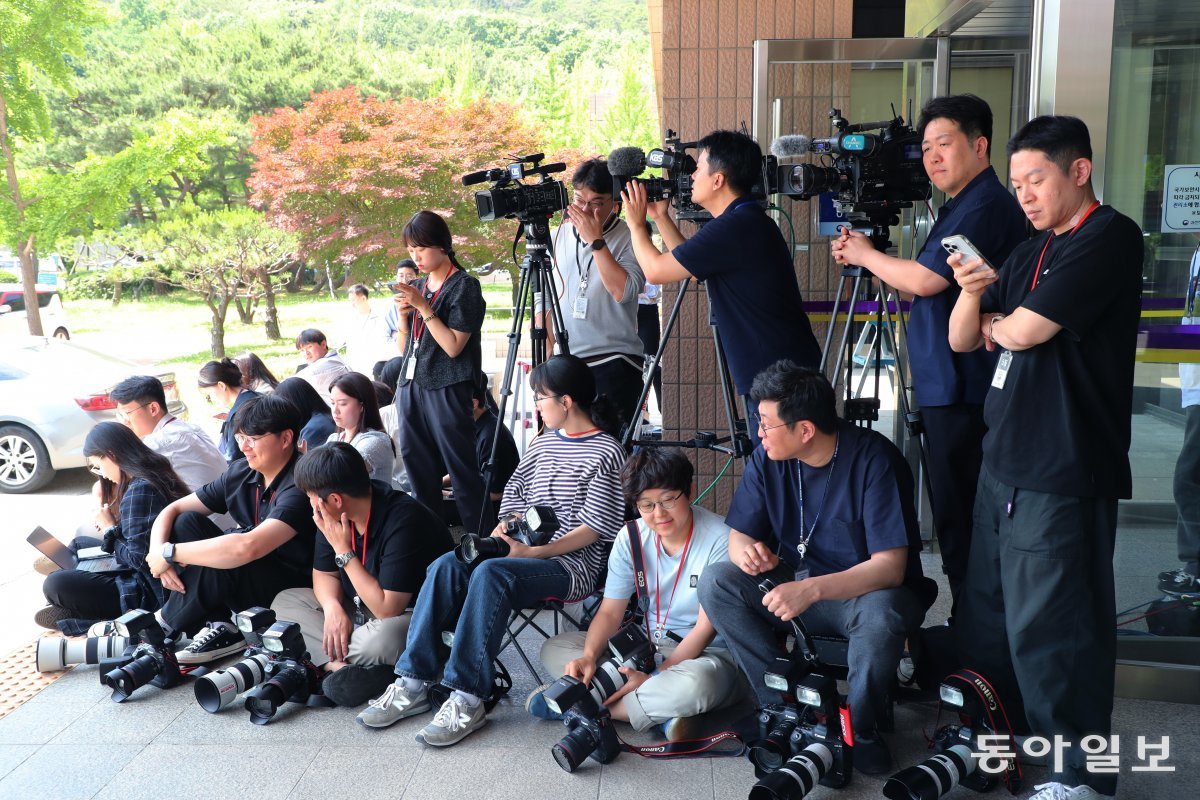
[
  {"x": 1058, "y": 791},
  {"x": 453, "y": 722}
]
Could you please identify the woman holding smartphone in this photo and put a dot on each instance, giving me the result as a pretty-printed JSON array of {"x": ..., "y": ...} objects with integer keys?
[{"x": 441, "y": 315}]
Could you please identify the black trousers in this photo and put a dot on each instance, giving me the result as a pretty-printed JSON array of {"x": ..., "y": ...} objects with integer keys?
[
  {"x": 437, "y": 437},
  {"x": 622, "y": 382},
  {"x": 955, "y": 437},
  {"x": 650, "y": 332},
  {"x": 217, "y": 594},
  {"x": 85, "y": 595},
  {"x": 1037, "y": 614},
  {"x": 1187, "y": 493}
]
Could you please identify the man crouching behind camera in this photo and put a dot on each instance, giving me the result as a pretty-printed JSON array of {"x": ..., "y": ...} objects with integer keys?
[
  {"x": 825, "y": 511},
  {"x": 677, "y": 543}
]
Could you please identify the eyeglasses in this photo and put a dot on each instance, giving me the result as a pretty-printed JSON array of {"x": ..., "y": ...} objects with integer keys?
[
  {"x": 245, "y": 440},
  {"x": 666, "y": 504},
  {"x": 764, "y": 427},
  {"x": 125, "y": 415},
  {"x": 537, "y": 398}
]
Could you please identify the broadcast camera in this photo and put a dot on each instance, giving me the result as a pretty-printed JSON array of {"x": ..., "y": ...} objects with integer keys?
[
  {"x": 805, "y": 742},
  {"x": 625, "y": 163},
  {"x": 980, "y": 714},
  {"x": 509, "y": 195},
  {"x": 873, "y": 175},
  {"x": 148, "y": 657}
]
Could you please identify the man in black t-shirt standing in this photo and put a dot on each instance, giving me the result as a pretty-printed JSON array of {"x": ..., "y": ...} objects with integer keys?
[
  {"x": 369, "y": 564},
  {"x": 741, "y": 256},
  {"x": 1038, "y": 602},
  {"x": 212, "y": 574}
]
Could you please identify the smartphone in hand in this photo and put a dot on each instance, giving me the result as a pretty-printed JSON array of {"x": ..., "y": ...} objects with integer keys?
[{"x": 961, "y": 244}]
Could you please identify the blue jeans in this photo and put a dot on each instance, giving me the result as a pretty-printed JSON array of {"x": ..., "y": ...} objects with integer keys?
[
  {"x": 876, "y": 624},
  {"x": 476, "y": 602}
]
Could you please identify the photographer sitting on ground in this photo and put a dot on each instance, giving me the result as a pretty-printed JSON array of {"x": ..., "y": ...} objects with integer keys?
[
  {"x": 741, "y": 256},
  {"x": 677, "y": 542},
  {"x": 213, "y": 574},
  {"x": 825, "y": 510},
  {"x": 369, "y": 564},
  {"x": 573, "y": 467}
]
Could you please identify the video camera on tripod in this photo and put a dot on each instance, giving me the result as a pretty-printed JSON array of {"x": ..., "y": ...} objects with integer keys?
[
  {"x": 511, "y": 197},
  {"x": 626, "y": 163}
]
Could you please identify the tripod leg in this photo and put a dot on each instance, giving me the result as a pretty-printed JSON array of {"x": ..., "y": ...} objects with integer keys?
[
  {"x": 668, "y": 329},
  {"x": 833, "y": 313}
]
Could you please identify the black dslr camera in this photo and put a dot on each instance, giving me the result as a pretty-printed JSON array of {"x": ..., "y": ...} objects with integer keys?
[
  {"x": 148, "y": 657},
  {"x": 534, "y": 528},
  {"x": 219, "y": 690},
  {"x": 980, "y": 714},
  {"x": 510, "y": 196},
  {"x": 590, "y": 730},
  {"x": 290, "y": 675},
  {"x": 807, "y": 741}
]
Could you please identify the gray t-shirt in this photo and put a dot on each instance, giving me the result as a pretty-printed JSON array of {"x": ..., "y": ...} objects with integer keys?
[
  {"x": 710, "y": 545},
  {"x": 608, "y": 326}
]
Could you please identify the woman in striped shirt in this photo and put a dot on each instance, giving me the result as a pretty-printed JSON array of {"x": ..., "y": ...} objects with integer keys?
[{"x": 575, "y": 468}]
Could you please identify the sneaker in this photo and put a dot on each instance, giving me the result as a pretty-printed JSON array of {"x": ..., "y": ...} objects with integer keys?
[
  {"x": 393, "y": 705},
  {"x": 44, "y": 566},
  {"x": 535, "y": 704},
  {"x": 354, "y": 684},
  {"x": 50, "y": 616},
  {"x": 453, "y": 722},
  {"x": 871, "y": 755},
  {"x": 1058, "y": 791},
  {"x": 1178, "y": 581},
  {"x": 218, "y": 640}
]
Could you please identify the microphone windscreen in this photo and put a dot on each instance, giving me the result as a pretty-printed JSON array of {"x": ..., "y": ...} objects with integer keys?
[
  {"x": 790, "y": 146},
  {"x": 625, "y": 162}
]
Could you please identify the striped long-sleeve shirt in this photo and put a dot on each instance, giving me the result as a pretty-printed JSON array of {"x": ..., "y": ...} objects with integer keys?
[{"x": 580, "y": 478}]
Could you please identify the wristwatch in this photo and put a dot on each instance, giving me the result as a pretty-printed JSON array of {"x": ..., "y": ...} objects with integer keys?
[
  {"x": 168, "y": 553},
  {"x": 342, "y": 559},
  {"x": 599, "y": 244}
]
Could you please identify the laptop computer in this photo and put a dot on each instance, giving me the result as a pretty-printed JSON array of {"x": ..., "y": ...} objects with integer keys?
[{"x": 60, "y": 554}]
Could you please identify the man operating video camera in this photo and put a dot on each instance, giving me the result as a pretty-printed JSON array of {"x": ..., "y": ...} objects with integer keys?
[{"x": 742, "y": 256}]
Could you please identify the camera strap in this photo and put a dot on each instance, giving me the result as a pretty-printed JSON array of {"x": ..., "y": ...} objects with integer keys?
[
  {"x": 639, "y": 577},
  {"x": 688, "y": 748},
  {"x": 967, "y": 680}
]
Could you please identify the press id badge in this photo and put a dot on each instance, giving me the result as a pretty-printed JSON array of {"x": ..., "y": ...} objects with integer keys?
[
  {"x": 410, "y": 367},
  {"x": 580, "y": 310},
  {"x": 1002, "y": 367}
]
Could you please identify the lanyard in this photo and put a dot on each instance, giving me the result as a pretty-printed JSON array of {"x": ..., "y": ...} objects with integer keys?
[
  {"x": 354, "y": 532},
  {"x": 418, "y": 323},
  {"x": 660, "y": 621},
  {"x": 1037, "y": 272},
  {"x": 805, "y": 535}
]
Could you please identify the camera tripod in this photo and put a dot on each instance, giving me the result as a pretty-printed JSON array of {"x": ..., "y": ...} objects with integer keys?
[
  {"x": 865, "y": 410},
  {"x": 537, "y": 280},
  {"x": 738, "y": 440}
]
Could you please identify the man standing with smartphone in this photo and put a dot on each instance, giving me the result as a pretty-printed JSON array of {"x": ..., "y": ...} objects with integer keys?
[{"x": 956, "y": 133}]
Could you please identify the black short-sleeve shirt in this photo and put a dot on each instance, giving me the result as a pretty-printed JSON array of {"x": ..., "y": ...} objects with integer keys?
[
  {"x": 744, "y": 261},
  {"x": 402, "y": 539},
  {"x": 239, "y": 492},
  {"x": 459, "y": 304},
  {"x": 859, "y": 504},
  {"x": 1061, "y": 422}
]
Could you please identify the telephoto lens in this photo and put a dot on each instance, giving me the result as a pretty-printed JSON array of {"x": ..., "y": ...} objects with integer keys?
[
  {"x": 218, "y": 690},
  {"x": 56, "y": 653},
  {"x": 797, "y": 777},
  {"x": 933, "y": 777}
]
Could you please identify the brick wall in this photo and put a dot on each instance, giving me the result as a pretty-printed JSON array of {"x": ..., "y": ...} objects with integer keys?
[{"x": 703, "y": 54}]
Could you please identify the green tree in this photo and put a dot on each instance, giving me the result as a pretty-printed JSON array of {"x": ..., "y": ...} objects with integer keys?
[
  {"x": 631, "y": 119},
  {"x": 36, "y": 36}
]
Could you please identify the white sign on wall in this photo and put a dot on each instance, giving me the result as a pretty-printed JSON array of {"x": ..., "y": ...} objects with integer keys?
[{"x": 1181, "y": 198}]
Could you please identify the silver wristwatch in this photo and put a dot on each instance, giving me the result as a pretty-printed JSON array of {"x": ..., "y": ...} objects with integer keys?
[
  {"x": 342, "y": 559},
  {"x": 168, "y": 553}
]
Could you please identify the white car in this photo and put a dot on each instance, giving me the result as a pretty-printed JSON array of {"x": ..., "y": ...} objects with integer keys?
[
  {"x": 50, "y": 306},
  {"x": 51, "y": 395}
]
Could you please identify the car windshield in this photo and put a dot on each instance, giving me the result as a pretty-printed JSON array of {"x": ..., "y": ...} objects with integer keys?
[{"x": 37, "y": 355}]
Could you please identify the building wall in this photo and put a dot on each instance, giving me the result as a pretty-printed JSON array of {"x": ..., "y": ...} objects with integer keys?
[{"x": 703, "y": 52}]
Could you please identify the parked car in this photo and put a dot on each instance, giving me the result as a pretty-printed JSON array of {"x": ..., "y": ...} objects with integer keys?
[
  {"x": 51, "y": 395},
  {"x": 50, "y": 305}
]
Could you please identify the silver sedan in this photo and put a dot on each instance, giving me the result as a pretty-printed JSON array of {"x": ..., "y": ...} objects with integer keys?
[{"x": 51, "y": 395}]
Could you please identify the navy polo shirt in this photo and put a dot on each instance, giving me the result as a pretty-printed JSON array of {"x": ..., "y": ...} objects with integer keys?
[
  {"x": 858, "y": 504},
  {"x": 992, "y": 219},
  {"x": 745, "y": 263}
]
